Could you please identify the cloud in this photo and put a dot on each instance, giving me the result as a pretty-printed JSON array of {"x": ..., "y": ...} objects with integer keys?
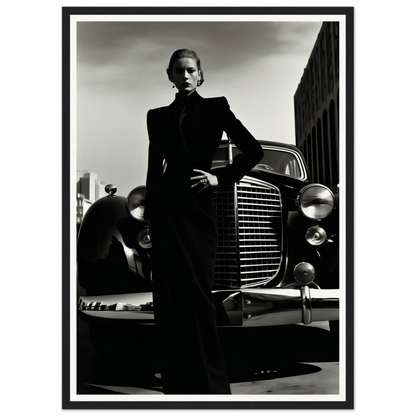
[
  {"x": 95, "y": 39},
  {"x": 124, "y": 51},
  {"x": 121, "y": 74}
]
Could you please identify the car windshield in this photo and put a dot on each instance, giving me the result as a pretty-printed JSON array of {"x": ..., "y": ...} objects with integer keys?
[{"x": 279, "y": 160}]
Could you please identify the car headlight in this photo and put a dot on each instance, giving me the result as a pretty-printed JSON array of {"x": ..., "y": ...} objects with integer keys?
[
  {"x": 135, "y": 203},
  {"x": 315, "y": 201},
  {"x": 315, "y": 236},
  {"x": 144, "y": 239}
]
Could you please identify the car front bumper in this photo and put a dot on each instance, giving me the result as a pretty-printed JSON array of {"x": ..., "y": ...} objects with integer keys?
[{"x": 242, "y": 307}]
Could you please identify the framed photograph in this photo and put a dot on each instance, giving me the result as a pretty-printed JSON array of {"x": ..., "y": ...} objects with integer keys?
[{"x": 281, "y": 301}]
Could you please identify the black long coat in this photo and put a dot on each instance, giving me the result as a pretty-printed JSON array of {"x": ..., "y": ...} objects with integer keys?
[{"x": 184, "y": 235}]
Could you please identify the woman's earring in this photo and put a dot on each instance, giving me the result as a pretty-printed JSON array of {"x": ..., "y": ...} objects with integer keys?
[{"x": 173, "y": 86}]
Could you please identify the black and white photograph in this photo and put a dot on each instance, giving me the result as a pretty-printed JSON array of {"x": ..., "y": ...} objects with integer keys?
[{"x": 208, "y": 152}]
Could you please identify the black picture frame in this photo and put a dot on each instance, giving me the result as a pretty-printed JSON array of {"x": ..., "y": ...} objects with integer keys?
[{"x": 67, "y": 210}]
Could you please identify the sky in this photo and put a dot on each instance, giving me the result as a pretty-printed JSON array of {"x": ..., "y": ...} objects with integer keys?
[{"x": 121, "y": 74}]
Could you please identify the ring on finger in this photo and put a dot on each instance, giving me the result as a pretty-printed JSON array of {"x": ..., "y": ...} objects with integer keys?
[{"x": 204, "y": 181}]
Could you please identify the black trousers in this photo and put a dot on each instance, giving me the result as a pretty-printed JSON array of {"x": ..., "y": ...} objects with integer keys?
[{"x": 184, "y": 244}]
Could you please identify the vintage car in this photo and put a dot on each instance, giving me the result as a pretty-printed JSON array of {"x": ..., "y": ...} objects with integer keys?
[{"x": 277, "y": 262}]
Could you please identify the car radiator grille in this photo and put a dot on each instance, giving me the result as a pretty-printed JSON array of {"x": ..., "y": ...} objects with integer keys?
[{"x": 249, "y": 234}]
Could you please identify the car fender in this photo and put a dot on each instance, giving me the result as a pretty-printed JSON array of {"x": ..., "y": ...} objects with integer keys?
[{"x": 109, "y": 257}]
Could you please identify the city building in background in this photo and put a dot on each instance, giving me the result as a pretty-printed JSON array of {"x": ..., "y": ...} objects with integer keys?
[
  {"x": 317, "y": 108},
  {"x": 89, "y": 189}
]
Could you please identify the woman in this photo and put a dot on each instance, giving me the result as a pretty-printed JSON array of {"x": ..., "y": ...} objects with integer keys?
[{"x": 179, "y": 205}]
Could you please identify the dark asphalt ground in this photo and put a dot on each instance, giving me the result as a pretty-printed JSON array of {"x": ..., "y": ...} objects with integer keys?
[{"x": 291, "y": 359}]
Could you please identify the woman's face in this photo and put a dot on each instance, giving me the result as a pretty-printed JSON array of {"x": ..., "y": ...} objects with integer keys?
[{"x": 185, "y": 75}]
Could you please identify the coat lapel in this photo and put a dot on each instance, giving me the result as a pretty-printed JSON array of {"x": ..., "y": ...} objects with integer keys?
[{"x": 175, "y": 127}]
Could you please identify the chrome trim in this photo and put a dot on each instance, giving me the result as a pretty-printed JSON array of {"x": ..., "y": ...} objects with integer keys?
[
  {"x": 299, "y": 160},
  {"x": 237, "y": 229},
  {"x": 306, "y": 305},
  {"x": 240, "y": 243},
  {"x": 230, "y": 150},
  {"x": 244, "y": 307},
  {"x": 271, "y": 307},
  {"x": 274, "y": 212}
]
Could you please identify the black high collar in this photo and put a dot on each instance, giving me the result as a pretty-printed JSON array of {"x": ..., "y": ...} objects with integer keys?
[{"x": 190, "y": 98}]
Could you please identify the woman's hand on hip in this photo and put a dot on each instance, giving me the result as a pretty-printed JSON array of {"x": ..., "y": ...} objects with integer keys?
[{"x": 205, "y": 178}]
